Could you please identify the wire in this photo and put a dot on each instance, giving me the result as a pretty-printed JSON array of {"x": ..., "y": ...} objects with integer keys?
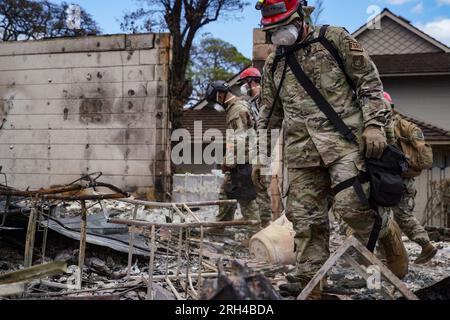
[{"x": 88, "y": 177}]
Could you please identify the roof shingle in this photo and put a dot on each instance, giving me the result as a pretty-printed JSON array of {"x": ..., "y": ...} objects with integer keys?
[{"x": 413, "y": 63}]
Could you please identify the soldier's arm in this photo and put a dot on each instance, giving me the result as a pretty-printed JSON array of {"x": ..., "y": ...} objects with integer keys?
[
  {"x": 364, "y": 73},
  {"x": 389, "y": 128},
  {"x": 270, "y": 116},
  {"x": 240, "y": 123}
]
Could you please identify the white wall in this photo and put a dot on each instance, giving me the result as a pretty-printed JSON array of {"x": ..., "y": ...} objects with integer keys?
[
  {"x": 80, "y": 105},
  {"x": 423, "y": 98}
]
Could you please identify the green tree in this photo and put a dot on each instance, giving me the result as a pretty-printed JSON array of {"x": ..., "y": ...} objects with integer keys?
[
  {"x": 213, "y": 59},
  {"x": 36, "y": 19},
  {"x": 183, "y": 19}
]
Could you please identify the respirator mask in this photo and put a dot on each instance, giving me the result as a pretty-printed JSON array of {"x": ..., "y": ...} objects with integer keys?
[
  {"x": 218, "y": 107},
  {"x": 245, "y": 89},
  {"x": 285, "y": 36}
]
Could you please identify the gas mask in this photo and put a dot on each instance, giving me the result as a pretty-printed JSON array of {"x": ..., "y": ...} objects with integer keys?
[
  {"x": 285, "y": 36},
  {"x": 219, "y": 108},
  {"x": 245, "y": 89}
]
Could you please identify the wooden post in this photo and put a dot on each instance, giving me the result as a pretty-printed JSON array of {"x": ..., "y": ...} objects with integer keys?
[
  {"x": 200, "y": 256},
  {"x": 83, "y": 232},
  {"x": 31, "y": 234},
  {"x": 131, "y": 247},
  {"x": 151, "y": 267}
]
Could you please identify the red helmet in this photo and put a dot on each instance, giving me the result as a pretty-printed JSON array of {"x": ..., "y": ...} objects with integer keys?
[
  {"x": 276, "y": 11},
  {"x": 388, "y": 97},
  {"x": 250, "y": 73}
]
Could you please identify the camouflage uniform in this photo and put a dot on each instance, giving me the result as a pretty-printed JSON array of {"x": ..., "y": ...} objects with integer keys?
[
  {"x": 249, "y": 209},
  {"x": 404, "y": 216},
  {"x": 404, "y": 212},
  {"x": 240, "y": 120},
  {"x": 318, "y": 157},
  {"x": 263, "y": 198}
]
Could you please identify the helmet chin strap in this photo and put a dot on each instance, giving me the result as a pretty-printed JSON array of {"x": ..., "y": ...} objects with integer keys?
[
  {"x": 224, "y": 103},
  {"x": 231, "y": 99}
]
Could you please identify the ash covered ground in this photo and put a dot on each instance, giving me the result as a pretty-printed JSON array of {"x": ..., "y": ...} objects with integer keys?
[{"x": 106, "y": 270}]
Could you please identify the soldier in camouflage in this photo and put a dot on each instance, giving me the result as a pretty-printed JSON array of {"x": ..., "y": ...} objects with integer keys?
[
  {"x": 250, "y": 81},
  {"x": 317, "y": 156},
  {"x": 237, "y": 183},
  {"x": 404, "y": 212}
]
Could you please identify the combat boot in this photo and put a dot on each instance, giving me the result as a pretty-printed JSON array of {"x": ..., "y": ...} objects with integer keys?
[
  {"x": 429, "y": 251},
  {"x": 394, "y": 250}
]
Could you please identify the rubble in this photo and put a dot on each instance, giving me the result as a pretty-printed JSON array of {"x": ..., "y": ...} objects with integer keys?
[
  {"x": 185, "y": 255},
  {"x": 241, "y": 285},
  {"x": 419, "y": 276},
  {"x": 438, "y": 291},
  {"x": 171, "y": 234},
  {"x": 36, "y": 272}
]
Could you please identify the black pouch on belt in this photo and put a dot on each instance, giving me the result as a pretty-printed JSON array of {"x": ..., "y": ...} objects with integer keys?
[
  {"x": 241, "y": 186},
  {"x": 386, "y": 185},
  {"x": 385, "y": 175}
]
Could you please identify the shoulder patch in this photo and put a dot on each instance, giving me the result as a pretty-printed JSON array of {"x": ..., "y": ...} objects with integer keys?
[
  {"x": 358, "y": 62},
  {"x": 355, "y": 46},
  {"x": 420, "y": 135}
]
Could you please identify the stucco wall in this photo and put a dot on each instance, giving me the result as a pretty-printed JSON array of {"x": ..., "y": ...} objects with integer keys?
[
  {"x": 423, "y": 98},
  {"x": 72, "y": 106}
]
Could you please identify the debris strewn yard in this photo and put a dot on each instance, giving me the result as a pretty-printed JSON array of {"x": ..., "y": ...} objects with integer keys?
[{"x": 176, "y": 260}]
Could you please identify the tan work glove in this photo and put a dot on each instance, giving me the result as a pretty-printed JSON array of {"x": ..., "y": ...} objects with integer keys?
[
  {"x": 374, "y": 141},
  {"x": 257, "y": 178}
]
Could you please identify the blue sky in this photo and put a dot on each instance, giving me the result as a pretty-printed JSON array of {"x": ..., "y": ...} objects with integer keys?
[{"x": 432, "y": 16}]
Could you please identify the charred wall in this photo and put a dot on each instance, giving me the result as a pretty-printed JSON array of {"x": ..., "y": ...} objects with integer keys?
[{"x": 77, "y": 105}]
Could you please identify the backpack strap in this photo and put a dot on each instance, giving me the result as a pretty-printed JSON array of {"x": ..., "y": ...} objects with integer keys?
[
  {"x": 285, "y": 52},
  {"x": 277, "y": 95},
  {"x": 282, "y": 52},
  {"x": 356, "y": 184},
  {"x": 334, "y": 52},
  {"x": 320, "y": 100},
  {"x": 278, "y": 55}
]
